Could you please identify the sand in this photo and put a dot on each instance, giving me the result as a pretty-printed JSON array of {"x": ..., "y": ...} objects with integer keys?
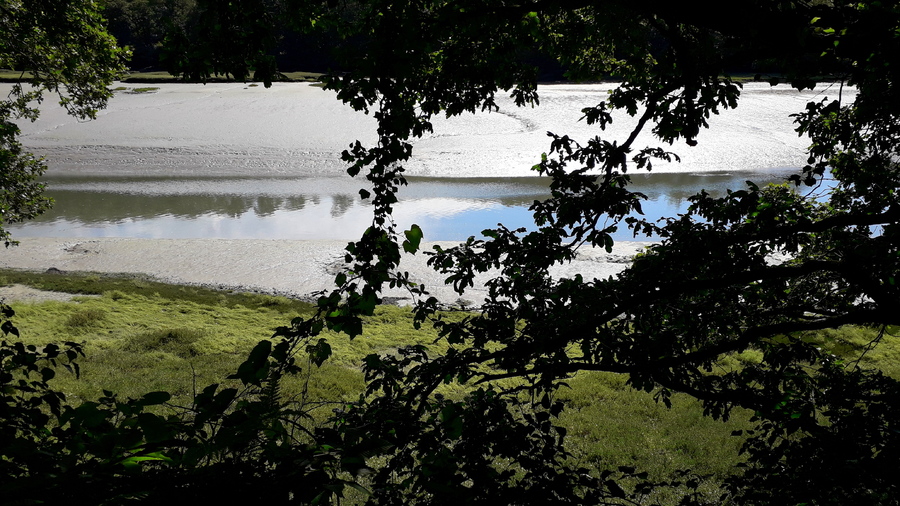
[
  {"x": 236, "y": 128},
  {"x": 293, "y": 268},
  {"x": 299, "y": 129}
]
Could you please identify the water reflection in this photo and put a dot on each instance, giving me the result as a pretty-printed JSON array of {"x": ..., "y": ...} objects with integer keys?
[{"x": 323, "y": 207}]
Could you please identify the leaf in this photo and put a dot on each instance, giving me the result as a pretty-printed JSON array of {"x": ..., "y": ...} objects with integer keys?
[
  {"x": 9, "y": 328},
  {"x": 614, "y": 488},
  {"x": 413, "y": 239},
  {"x": 47, "y": 374},
  {"x": 134, "y": 461},
  {"x": 155, "y": 398},
  {"x": 319, "y": 352},
  {"x": 256, "y": 366},
  {"x": 155, "y": 428}
]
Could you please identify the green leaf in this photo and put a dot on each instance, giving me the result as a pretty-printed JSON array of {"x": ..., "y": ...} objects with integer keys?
[
  {"x": 256, "y": 366},
  {"x": 413, "y": 239},
  {"x": 155, "y": 398},
  {"x": 319, "y": 352},
  {"x": 134, "y": 461},
  {"x": 9, "y": 328}
]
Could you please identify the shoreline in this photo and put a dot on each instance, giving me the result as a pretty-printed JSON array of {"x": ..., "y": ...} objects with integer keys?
[{"x": 292, "y": 268}]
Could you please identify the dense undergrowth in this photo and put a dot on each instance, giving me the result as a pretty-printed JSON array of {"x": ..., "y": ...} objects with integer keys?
[{"x": 142, "y": 336}]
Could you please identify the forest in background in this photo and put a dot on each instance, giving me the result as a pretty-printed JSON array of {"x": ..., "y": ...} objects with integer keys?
[{"x": 183, "y": 37}]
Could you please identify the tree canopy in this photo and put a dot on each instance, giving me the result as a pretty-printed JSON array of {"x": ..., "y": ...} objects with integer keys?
[
  {"x": 708, "y": 289},
  {"x": 826, "y": 430},
  {"x": 61, "y": 48}
]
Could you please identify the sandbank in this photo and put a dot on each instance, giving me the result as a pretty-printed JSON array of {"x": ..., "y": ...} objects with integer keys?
[
  {"x": 300, "y": 129},
  {"x": 293, "y": 268}
]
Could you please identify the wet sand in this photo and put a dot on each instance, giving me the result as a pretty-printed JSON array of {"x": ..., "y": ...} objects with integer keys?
[
  {"x": 299, "y": 129},
  {"x": 293, "y": 268}
]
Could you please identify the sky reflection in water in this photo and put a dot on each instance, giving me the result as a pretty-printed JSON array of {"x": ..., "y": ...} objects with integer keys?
[{"x": 324, "y": 207}]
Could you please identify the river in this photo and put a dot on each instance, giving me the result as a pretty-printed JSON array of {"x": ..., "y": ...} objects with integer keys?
[{"x": 242, "y": 161}]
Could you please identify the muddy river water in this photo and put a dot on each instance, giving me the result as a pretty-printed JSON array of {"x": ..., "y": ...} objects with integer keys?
[{"x": 241, "y": 161}]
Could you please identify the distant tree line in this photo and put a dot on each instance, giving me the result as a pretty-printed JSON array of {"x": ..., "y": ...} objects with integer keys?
[
  {"x": 257, "y": 39},
  {"x": 193, "y": 38}
]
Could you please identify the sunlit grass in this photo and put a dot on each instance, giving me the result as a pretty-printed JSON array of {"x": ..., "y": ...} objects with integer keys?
[{"x": 141, "y": 335}]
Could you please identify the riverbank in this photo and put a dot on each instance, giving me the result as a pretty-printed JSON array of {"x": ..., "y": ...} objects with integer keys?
[{"x": 292, "y": 268}]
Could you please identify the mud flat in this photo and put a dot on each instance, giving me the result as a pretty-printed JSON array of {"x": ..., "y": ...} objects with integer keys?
[
  {"x": 285, "y": 267},
  {"x": 299, "y": 129}
]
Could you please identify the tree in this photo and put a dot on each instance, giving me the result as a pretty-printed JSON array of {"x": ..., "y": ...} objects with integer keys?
[
  {"x": 141, "y": 25},
  {"x": 706, "y": 291},
  {"x": 826, "y": 430},
  {"x": 224, "y": 37},
  {"x": 61, "y": 48}
]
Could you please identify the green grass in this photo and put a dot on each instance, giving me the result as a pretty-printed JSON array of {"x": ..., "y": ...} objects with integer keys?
[
  {"x": 141, "y": 335},
  {"x": 609, "y": 424},
  {"x": 135, "y": 91},
  {"x": 165, "y": 77}
]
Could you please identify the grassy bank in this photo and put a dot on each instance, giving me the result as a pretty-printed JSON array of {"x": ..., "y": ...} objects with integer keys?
[
  {"x": 165, "y": 77},
  {"x": 141, "y": 336}
]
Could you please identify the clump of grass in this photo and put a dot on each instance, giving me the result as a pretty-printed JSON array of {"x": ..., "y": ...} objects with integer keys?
[
  {"x": 98, "y": 284},
  {"x": 280, "y": 304},
  {"x": 135, "y": 91},
  {"x": 115, "y": 295},
  {"x": 179, "y": 342},
  {"x": 85, "y": 319}
]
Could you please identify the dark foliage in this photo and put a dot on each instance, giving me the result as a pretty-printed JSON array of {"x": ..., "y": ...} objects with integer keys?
[
  {"x": 826, "y": 430},
  {"x": 60, "y": 48}
]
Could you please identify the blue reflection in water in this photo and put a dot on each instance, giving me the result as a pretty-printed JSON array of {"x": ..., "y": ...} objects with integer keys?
[{"x": 325, "y": 208}]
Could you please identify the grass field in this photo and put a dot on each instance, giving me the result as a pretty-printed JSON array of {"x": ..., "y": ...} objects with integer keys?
[
  {"x": 141, "y": 336},
  {"x": 293, "y": 76},
  {"x": 165, "y": 77}
]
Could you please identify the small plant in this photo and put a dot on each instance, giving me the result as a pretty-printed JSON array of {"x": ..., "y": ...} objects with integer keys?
[
  {"x": 115, "y": 294},
  {"x": 85, "y": 318},
  {"x": 179, "y": 342}
]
